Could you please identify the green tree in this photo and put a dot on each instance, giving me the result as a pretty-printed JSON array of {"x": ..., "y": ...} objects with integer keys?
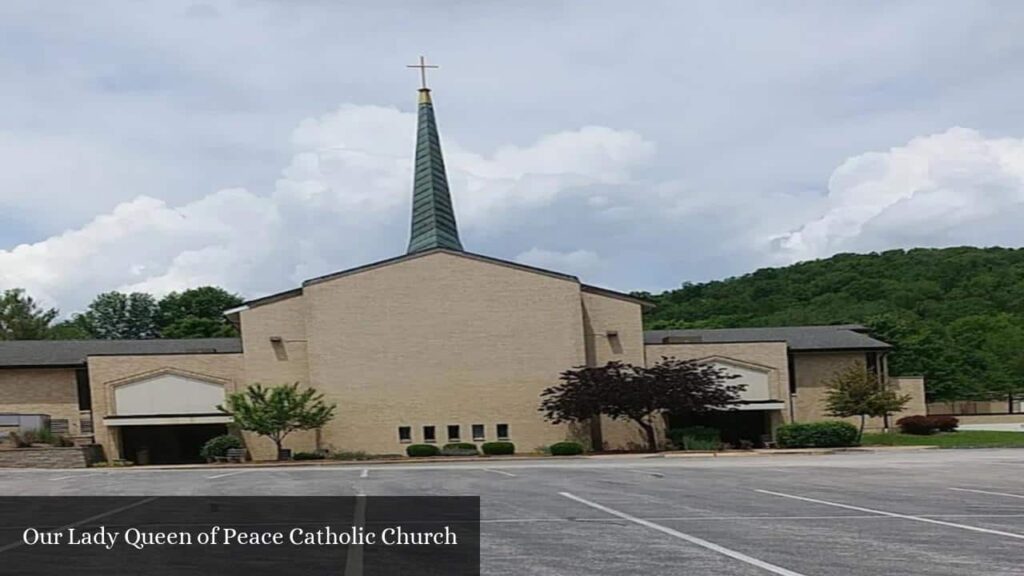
[
  {"x": 21, "y": 317},
  {"x": 72, "y": 329},
  {"x": 119, "y": 316},
  {"x": 926, "y": 302},
  {"x": 854, "y": 391},
  {"x": 197, "y": 313},
  {"x": 638, "y": 393},
  {"x": 277, "y": 411},
  {"x": 991, "y": 353}
]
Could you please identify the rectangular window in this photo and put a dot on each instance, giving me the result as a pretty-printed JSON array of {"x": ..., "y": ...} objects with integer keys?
[
  {"x": 478, "y": 431},
  {"x": 453, "y": 432},
  {"x": 404, "y": 434},
  {"x": 84, "y": 392},
  {"x": 429, "y": 434},
  {"x": 502, "y": 430}
]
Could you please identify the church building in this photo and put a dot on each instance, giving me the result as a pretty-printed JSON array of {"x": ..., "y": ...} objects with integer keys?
[{"x": 432, "y": 346}]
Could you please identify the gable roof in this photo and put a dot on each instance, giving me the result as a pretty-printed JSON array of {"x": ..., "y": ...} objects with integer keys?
[
  {"x": 73, "y": 353},
  {"x": 460, "y": 253},
  {"x": 797, "y": 338}
]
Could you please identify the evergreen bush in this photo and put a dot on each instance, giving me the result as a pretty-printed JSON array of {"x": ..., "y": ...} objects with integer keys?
[
  {"x": 566, "y": 449},
  {"x": 421, "y": 450},
  {"x": 498, "y": 448},
  {"x": 827, "y": 434}
]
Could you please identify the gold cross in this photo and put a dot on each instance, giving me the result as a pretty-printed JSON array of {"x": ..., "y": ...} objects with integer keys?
[{"x": 423, "y": 71}]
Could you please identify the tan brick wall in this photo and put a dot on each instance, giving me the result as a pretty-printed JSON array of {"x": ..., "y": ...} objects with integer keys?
[
  {"x": 439, "y": 340},
  {"x": 973, "y": 407},
  {"x": 813, "y": 370},
  {"x": 51, "y": 391},
  {"x": 276, "y": 363},
  {"x": 914, "y": 386},
  {"x": 106, "y": 371},
  {"x": 602, "y": 314},
  {"x": 273, "y": 363},
  {"x": 991, "y": 419},
  {"x": 772, "y": 355}
]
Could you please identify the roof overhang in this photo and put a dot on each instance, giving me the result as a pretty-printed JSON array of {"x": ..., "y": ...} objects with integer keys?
[
  {"x": 166, "y": 419},
  {"x": 757, "y": 405}
]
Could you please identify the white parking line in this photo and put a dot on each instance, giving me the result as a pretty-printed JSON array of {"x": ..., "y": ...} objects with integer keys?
[
  {"x": 502, "y": 472},
  {"x": 691, "y": 539},
  {"x": 354, "y": 557},
  {"x": 365, "y": 473},
  {"x": 988, "y": 492},
  {"x": 235, "y": 473},
  {"x": 896, "y": 515},
  {"x": 86, "y": 520}
]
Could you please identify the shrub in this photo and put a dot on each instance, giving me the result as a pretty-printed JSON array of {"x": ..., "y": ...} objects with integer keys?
[
  {"x": 918, "y": 425},
  {"x": 498, "y": 448},
  {"x": 20, "y": 439},
  {"x": 61, "y": 441},
  {"x": 308, "y": 456},
  {"x": 925, "y": 425},
  {"x": 44, "y": 436},
  {"x": 218, "y": 446},
  {"x": 828, "y": 434},
  {"x": 421, "y": 450},
  {"x": 460, "y": 449},
  {"x": 350, "y": 455},
  {"x": 695, "y": 438},
  {"x": 945, "y": 423},
  {"x": 566, "y": 449}
]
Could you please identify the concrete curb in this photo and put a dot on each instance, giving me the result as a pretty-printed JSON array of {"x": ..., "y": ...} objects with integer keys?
[{"x": 483, "y": 460}]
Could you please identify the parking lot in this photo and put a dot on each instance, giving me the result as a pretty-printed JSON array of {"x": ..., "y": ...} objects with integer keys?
[{"x": 931, "y": 512}]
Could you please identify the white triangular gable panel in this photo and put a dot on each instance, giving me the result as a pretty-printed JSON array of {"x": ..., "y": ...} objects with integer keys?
[
  {"x": 168, "y": 394},
  {"x": 755, "y": 380}
]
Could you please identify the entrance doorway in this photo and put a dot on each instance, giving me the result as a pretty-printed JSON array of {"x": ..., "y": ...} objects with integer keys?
[
  {"x": 735, "y": 426},
  {"x": 167, "y": 444}
]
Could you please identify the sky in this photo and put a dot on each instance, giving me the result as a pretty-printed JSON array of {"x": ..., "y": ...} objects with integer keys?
[{"x": 157, "y": 146}]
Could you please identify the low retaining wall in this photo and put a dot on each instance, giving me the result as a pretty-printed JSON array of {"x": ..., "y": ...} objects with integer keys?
[
  {"x": 995, "y": 422},
  {"x": 43, "y": 458}
]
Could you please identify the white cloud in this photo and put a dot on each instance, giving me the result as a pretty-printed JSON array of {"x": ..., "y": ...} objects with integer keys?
[
  {"x": 957, "y": 187},
  {"x": 577, "y": 262},
  {"x": 342, "y": 201}
]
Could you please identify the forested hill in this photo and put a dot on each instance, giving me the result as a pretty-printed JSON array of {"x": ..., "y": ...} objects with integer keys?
[{"x": 955, "y": 315}]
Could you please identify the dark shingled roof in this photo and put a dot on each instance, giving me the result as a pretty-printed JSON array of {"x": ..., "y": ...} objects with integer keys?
[
  {"x": 798, "y": 338},
  {"x": 26, "y": 353}
]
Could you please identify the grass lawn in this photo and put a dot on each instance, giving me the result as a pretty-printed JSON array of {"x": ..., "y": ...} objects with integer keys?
[{"x": 964, "y": 439}]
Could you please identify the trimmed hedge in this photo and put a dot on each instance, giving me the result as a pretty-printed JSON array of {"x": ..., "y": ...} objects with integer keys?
[
  {"x": 827, "y": 434},
  {"x": 218, "y": 446},
  {"x": 498, "y": 448},
  {"x": 946, "y": 423},
  {"x": 422, "y": 450},
  {"x": 308, "y": 456},
  {"x": 925, "y": 425},
  {"x": 460, "y": 449},
  {"x": 695, "y": 438},
  {"x": 566, "y": 449}
]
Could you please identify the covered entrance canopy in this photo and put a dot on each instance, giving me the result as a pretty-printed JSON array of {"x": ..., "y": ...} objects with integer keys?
[
  {"x": 165, "y": 417},
  {"x": 750, "y": 419}
]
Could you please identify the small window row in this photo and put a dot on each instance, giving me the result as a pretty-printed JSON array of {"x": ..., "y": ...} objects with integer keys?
[{"x": 454, "y": 433}]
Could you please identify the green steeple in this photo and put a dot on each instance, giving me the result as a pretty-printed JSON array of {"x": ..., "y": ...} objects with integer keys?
[{"x": 433, "y": 219}]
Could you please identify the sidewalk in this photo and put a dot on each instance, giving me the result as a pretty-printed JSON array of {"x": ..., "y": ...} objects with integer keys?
[{"x": 485, "y": 460}]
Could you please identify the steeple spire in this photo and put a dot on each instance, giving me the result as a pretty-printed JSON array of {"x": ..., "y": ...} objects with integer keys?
[{"x": 433, "y": 219}]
